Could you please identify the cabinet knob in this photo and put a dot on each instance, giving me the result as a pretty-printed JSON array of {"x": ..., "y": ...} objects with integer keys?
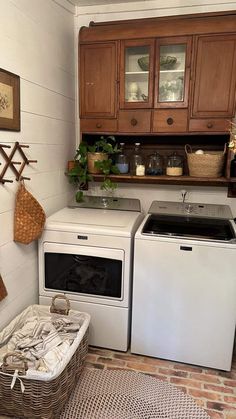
[
  {"x": 133, "y": 122},
  {"x": 209, "y": 125},
  {"x": 170, "y": 121},
  {"x": 98, "y": 125}
]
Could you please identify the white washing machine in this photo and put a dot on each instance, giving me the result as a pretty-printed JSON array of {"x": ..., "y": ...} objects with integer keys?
[
  {"x": 86, "y": 253},
  {"x": 184, "y": 285}
]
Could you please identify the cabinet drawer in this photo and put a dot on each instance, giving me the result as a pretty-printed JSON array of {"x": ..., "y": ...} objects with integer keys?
[
  {"x": 135, "y": 121},
  {"x": 209, "y": 125},
  {"x": 172, "y": 120},
  {"x": 98, "y": 125}
]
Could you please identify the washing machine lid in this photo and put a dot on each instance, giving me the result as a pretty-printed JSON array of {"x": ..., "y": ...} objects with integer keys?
[
  {"x": 94, "y": 221},
  {"x": 215, "y": 211},
  {"x": 195, "y": 228}
]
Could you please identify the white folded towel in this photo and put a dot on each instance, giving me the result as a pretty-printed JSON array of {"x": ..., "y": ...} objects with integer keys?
[{"x": 43, "y": 341}]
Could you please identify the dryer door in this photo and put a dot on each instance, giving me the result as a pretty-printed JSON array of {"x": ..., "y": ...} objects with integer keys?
[{"x": 84, "y": 270}]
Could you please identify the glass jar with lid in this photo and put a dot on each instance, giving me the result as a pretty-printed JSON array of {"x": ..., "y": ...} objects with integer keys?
[
  {"x": 122, "y": 161},
  {"x": 137, "y": 166},
  {"x": 174, "y": 165},
  {"x": 154, "y": 165}
]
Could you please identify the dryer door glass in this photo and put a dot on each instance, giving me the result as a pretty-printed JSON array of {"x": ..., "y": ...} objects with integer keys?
[{"x": 83, "y": 270}]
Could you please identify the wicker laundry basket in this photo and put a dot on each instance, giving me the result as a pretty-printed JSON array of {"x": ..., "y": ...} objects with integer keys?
[
  {"x": 210, "y": 164},
  {"x": 35, "y": 396}
]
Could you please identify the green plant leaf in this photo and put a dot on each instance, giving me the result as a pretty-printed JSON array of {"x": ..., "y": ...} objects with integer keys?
[
  {"x": 92, "y": 148},
  {"x": 115, "y": 170},
  {"x": 104, "y": 166},
  {"x": 108, "y": 185},
  {"x": 104, "y": 145},
  {"x": 79, "y": 196},
  {"x": 81, "y": 152}
]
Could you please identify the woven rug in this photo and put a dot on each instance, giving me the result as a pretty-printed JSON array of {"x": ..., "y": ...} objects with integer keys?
[{"x": 109, "y": 394}]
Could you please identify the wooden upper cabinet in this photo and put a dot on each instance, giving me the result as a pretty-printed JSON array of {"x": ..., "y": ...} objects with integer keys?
[
  {"x": 215, "y": 76},
  {"x": 136, "y": 74},
  {"x": 181, "y": 71},
  {"x": 173, "y": 60},
  {"x": 98, "y": 80}
]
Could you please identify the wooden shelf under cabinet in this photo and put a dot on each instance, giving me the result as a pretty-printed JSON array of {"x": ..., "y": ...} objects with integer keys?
[{"x": 171, "y": 180}]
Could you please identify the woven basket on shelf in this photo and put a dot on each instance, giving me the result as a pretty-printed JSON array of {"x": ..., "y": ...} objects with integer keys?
[
  {"x": 208, "y": 164},
  {"x": 29, "y": 217}
]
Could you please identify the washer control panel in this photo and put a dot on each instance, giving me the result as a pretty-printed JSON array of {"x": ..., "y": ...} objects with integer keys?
[{"x": 191, "y": 209}]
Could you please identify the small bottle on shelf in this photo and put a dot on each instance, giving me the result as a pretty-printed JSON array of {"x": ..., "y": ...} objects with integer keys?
[
  {"x": 122, "y": 162},
  {"x": 137, "y": 165}
]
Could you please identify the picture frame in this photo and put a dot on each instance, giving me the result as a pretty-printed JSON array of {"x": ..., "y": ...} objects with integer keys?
[{"x": 9, "y": 101}]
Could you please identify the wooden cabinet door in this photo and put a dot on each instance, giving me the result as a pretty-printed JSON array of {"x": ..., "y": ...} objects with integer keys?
[
  {"x": 172, "y": 74},
  {"x": 215, "y": 76},
  {"x": 136, "y": 74},
  {"x": 98, "y": 80}
]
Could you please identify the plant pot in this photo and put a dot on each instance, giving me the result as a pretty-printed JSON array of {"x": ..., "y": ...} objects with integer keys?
[
  {"x": 92, "y": 157},
  {"x": 70, "y": 164}
]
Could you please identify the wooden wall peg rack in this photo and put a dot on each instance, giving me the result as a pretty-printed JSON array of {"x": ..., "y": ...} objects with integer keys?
[{"x": 10, "y": 163}]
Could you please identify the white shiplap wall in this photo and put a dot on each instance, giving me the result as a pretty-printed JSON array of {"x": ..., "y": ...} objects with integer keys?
[
  {"x": 37, "y": 43},
  {"x": 157, "y": 8},
  {"x": 149, "y": 8}
]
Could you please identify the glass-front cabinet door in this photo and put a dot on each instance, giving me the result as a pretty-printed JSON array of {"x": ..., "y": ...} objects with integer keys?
[
  {"x": 172, "y": 72},
  {"x": 136, "y": 76}
]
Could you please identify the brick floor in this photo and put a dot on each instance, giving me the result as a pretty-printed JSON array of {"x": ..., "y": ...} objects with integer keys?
[{"x": 213, "y": 390}]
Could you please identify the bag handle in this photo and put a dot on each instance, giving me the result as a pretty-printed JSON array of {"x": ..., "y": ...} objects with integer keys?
[
  {"x": 188, "y": 149},
  {"x": 10, "y": 367},
  {"x": 64, "y": 311}
]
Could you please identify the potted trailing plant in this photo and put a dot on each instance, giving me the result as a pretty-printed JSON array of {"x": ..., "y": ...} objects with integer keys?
[
  {"x": 232, "y": 139},
  {"x": 94, "y": 159},
  {"x": 100, "y": 151},
  {"x": 232, "y": 146}
]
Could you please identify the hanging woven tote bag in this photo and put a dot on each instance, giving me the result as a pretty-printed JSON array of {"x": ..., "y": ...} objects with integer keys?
[{"x": 29, "y": 217}]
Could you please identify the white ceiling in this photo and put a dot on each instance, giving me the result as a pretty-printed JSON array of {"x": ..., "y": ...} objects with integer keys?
[{"x": 97, "y": 2}]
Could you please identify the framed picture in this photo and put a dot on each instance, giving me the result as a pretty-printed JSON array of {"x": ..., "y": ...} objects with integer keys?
[{"x": 9, "y": 101}]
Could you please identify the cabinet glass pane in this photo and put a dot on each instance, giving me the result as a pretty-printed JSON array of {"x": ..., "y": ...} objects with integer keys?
[
  {"x": 172, "y": 73},
  {"x": 137, "y": 73}
]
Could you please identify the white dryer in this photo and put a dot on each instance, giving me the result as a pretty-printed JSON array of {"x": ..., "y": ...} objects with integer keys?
[
  {"x": 86, "y": 253},
  {"x": 184, "y": 286}
]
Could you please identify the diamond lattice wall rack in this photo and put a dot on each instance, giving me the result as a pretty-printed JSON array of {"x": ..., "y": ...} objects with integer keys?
[{"x": 12, "y": 164}]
